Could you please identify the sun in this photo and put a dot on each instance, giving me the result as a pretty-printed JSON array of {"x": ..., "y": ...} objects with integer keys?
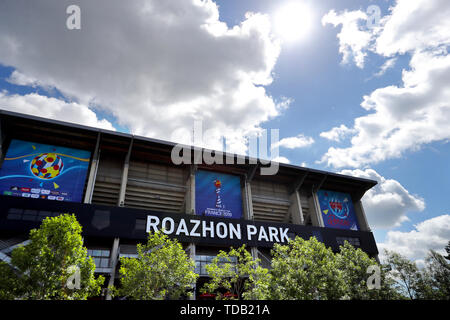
[{"x": 292, "y": 22}]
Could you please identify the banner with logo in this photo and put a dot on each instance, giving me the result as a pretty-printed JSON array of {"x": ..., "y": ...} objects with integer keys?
[
  {"x": 337, "y": 210},
  {"x": 35, "y": 170},
  {"x": 218, "y": 194}
]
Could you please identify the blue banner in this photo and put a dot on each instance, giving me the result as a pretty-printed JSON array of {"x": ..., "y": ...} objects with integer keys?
[
  {"x": 218, "y": 194},
  {"x": 337, "y": 210},
  {"x": 40, "y": 171}
]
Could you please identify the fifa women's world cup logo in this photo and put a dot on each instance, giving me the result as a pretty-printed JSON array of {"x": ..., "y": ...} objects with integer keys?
[{"x": 218, "y": 186}]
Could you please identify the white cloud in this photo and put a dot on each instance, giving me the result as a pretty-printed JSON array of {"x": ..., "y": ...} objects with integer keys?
[
  {"x": 52, "y": 108},
  {"x": 415, "y": 25},
  {"x": 388, "y": 64},
  {"x": 353, "y": 41},
  {"x": 432, "y": 234},
  {"x": 299, "y": 141},
  {"x": 337, "y": 133},
  {"x": 20, "y": 79},
  {"x": 155, "y": 65},
  {"x": 402, "y": 118},
  {"x": 387, "y": 204},
  {"x": 281, "y": 159}
]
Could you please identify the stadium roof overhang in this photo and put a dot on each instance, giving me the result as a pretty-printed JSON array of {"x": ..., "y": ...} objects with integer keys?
[{"x": 27, "y": 127}]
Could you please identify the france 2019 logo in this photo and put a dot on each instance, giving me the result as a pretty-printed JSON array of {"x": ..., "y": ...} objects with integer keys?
[{"x": 218, "y": 194}]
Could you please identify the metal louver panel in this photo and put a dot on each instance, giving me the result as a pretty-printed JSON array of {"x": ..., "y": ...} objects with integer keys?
[
  {"x": 155, "y": 187},
  {"x": 270, "y": 201},
  {"x": 107, "y": 182}
]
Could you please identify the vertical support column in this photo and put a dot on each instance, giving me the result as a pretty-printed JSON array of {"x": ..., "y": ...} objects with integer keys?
[
  {"x": 2, "y": 151},
  {"x": 316, "y": 215},
  {"x": 192, "y": 254},
  {"x": 254, "y": 252},
  {"x": 123, "y": 183},
  {"x": 190, "y": 209},
  {"x": 114, "y": 260},
  {"x": 361, "y": 216},
  {"x": 93, "y": 171},
  {"x": 296, "y": 208},
  {"x": 248, "y": 199},
  {"x": 245, "y": 198},
  {"x": 314, "y": 207},
  {"x": 190, "y": 196}
]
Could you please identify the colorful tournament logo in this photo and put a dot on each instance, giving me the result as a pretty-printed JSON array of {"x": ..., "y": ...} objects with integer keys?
[
  {"x": 35, "y": 170},
  {"x": 337, "y": 210},
  {"x": 47, "y": 166},
  {"x": 218, "y": 194}
]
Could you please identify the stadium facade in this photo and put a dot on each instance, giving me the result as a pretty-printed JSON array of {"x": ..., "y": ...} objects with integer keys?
[{"x": 121, "y": 186}]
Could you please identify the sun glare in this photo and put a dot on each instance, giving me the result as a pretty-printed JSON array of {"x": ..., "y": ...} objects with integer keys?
[{"x": 292, "y": 22}]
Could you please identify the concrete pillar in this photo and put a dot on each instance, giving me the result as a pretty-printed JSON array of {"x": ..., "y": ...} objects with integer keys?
[
  {"x": 114, "y": 261},
  {"x": 2, "y": 149},
  {"x": 93, "y": 172},
  {"x": 190, "y": 209},
  {"x": 361, "y": 216},
  {"x": 248, "y": 201},
  {"x": 314, "y": 207},
  {"x": 296, "y": 208},
  {"x": 191, "y": 190},
  {"x": 254, "y": 252},
  {"x": 192, "y": 254},
  {"x": 123, "y": 183}
]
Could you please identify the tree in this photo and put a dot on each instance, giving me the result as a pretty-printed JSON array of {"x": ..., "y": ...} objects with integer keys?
[
  {"x": 409, "y": 281},
  {"x": 162, "y": 270},
  {"x": 305, "y": 269},
  {"x": 238, "y": 274},
  {"x": 53, "y": 265},
  {"x": 355, "y": 264},
  {"x": 438, "y": 270},
  {"x": 447, "y": 249}
]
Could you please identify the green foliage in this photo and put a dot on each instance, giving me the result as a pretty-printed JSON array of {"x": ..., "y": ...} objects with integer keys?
[
  {"x": 438, "y": 271},
  {"x": 447, "y": 249},
  {"x": 409, "y": 281},
  {"x": 354, "y": 264},
  {"x": 237, "y": 273},
  {"x": 305, "y": 269},
  {"x": 162, "y": 270},
  {"x": 43, "y": 268}
]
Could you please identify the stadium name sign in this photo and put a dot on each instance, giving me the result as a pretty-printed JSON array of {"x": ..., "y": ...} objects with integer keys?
[{"x": 204, "y": 229}]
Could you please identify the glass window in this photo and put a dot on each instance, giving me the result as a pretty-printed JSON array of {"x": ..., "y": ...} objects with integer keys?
[
  {"x": 100, "y": 256},
  {"x": 353, "y": 241},
  {"x": 201, "y": 261},
  {"x": 29, "y": 215},
  {"x": 14, "y": 214}
]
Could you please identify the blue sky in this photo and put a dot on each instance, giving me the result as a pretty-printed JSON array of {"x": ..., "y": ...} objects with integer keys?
[
  {"x": 328, "y": 93},
  {"x": 154, "y": 69}
]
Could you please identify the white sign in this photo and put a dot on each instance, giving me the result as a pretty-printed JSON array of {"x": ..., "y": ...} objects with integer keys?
[{"x": 191, "y": 227}]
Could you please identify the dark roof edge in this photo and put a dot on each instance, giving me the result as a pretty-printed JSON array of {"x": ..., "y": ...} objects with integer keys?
[{"x": 368, "y": 182}]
